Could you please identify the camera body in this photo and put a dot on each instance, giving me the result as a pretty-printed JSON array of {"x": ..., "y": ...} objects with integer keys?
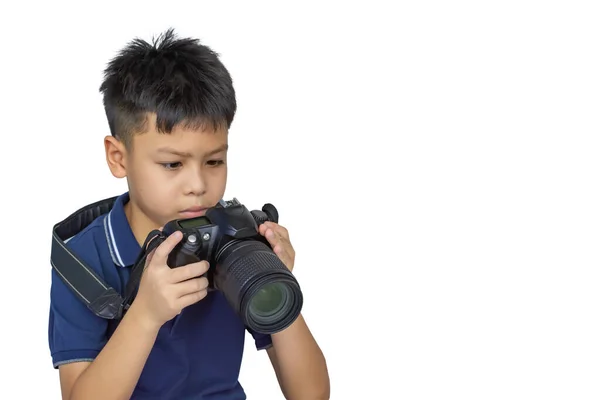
[{"x": 208, "y": 237}]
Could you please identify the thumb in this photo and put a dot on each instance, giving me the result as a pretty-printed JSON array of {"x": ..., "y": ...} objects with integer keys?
[{"x": 160, "y": 254}]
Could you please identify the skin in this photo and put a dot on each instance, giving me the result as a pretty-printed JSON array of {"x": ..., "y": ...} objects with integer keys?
[{"x": 162, "y": 184}]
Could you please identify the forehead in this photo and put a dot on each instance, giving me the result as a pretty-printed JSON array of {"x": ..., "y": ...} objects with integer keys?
[{"x": 191, "y": 140}]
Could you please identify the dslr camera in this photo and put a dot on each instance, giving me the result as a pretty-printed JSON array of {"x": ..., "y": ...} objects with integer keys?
[
  {"x": 258, "y": 286},
  {"x": 255, "y": 282}
]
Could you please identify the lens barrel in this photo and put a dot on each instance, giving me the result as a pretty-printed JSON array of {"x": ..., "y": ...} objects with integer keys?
[{"x": 258, "y": 286}]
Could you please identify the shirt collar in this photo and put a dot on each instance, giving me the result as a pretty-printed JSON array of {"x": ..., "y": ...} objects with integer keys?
[{"x": 124, "y": 248}]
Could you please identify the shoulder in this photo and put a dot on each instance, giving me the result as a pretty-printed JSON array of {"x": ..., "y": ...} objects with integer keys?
[
  {"x": 88, "y": 246},
  {"x": 91, "y": 246},
  {"x": 75, "y": 333},
  {"x": 88, "y": 242}
]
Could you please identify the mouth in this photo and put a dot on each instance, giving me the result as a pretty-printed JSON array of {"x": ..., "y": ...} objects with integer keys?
[{"x": 193, "y": 212}]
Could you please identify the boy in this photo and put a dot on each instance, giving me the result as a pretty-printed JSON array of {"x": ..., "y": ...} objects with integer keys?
[{"x": 169, "y": 106}]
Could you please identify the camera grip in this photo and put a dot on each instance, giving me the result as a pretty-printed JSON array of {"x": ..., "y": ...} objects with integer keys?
[{"x": 186, "y": 252}]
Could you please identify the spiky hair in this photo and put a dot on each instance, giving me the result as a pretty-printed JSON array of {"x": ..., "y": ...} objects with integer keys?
[{"x": 179, "y": 80}]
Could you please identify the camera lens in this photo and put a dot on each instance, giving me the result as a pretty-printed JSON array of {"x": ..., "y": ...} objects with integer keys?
[
  {"x": 269, "y": 302},
  {"x": 258, "y": 286}
]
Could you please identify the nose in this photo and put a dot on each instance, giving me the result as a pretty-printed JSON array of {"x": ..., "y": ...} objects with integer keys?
[{"x": 195, "y": 182}]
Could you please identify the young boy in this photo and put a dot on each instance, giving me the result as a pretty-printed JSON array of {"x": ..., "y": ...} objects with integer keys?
[{"x": 169, "y": 106}]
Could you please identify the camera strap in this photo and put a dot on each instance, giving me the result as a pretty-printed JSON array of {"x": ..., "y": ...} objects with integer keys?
[
  {"x": 98, "y": 296},
  {"x": 153, "y": 240}
]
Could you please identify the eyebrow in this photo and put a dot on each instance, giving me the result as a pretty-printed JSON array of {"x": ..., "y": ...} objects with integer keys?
[{"x": 185, "y": 154}]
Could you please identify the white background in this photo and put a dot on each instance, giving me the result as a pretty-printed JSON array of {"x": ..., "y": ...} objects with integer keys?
[{"x": 435, "y": 162}]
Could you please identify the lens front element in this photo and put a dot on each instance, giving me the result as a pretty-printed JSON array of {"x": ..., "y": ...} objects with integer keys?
[{"x": 266, "y": 305}]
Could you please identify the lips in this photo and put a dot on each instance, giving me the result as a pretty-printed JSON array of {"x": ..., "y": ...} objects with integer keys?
[
  {"x": 193, "y": 212},
  {"x": 195, "y": 209}
]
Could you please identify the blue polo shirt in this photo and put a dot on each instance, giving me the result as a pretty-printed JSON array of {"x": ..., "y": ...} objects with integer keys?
[{"x": 197, "y": 355}]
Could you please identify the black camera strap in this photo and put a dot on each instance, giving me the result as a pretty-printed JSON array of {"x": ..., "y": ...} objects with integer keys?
[
  {"x": 100, "y": 298},
  {"x": 103, "y": 300},
  {"x": 153, "y": 240}
]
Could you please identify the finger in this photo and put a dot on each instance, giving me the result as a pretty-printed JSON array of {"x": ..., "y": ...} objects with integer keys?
[
  {"x": 272, "y": 237},
  {"x": 276, "y": 242},
  {"x": 164, "y": 249},
  {"x": 280, "y": 250},
  {"x": 191, "y": 298},
  {"x": 278, "y": 229},
  {"x": 188, "y": 271},
  {"x": 275, "y": 239},
  {"x": 284, "y": 255},
  {"x": 191, "y": 286},
  {"x": 262, "y": 228}
]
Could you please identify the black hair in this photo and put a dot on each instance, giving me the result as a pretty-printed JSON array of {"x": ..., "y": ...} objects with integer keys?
[{"x": 178, "y": 79}]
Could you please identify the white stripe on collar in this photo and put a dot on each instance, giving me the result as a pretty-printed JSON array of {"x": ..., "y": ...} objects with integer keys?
[{"x": 110, "y": 238}]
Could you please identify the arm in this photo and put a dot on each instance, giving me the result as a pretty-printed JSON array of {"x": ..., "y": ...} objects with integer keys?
[
  {"x": 299, "y": 363},
  {"x": 296, "y": 357},
  {"x": 91, "y": 367},
  {"x": 116, "y": 370}
]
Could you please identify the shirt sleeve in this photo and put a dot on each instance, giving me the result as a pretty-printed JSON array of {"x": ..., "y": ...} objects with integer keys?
[
  {"x": 261, "y": 341},
  {"x": 75, "y": 333}
]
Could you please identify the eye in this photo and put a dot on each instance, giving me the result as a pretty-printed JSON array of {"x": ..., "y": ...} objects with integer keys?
[
  {"x": 214, "y": 163},
  {"x": 171, "y": 166}
]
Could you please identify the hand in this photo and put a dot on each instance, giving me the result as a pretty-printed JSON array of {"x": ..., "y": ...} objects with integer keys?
[
  {"x": 164, "y": 292},
  {"x": 279, "y": 239}
]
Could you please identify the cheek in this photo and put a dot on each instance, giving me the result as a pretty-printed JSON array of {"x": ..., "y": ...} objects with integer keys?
[
  {"x": 152, "y": 182},
  {"x": 218, "y": 183}
]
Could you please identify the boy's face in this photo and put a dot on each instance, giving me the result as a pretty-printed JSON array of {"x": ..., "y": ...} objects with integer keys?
[{"x": 170, "y": 176}]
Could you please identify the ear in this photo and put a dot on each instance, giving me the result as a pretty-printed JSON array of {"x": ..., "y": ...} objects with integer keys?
[{"x": 116, "y": 156}]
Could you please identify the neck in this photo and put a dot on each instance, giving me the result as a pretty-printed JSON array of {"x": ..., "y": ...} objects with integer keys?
[{"x": 140, "y": 224}]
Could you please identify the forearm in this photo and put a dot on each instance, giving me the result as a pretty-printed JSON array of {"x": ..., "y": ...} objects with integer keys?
[
  {"x": 116, "y": 370},
  {"x": 300, "y": 364}
]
